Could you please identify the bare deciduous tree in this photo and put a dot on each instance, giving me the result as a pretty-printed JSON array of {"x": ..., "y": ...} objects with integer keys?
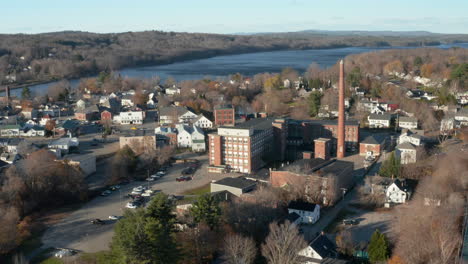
[
  {"x": 283, "y": 244},
  {"x": 239, "y": 249}
]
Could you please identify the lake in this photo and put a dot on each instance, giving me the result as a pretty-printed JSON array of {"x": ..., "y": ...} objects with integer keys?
[{"x": 247, "y": 64}]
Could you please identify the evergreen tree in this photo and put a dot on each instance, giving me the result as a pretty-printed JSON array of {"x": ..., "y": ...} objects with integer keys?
[
  {"x": 206, "y": 209},
  {"x": 354, "y": 77},
  {"x": 378, "y": 247},
  {"x": 26, "y": 93},
  {"x": 391, "y": 167},
  {"x": 146, "y": 236},
  {"x": 314, "y": 103}
]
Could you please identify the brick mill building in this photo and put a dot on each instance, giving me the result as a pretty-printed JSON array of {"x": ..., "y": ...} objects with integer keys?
[
  {"x": 237, "y": 148},
  {"x": 242, "y": 148},
  {"x": 224, "y": 116}
]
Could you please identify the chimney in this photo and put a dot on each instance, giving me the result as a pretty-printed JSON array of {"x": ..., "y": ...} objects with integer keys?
[
  {"x": 340, "y": 152},
  {"x": 7, "y": 93}
]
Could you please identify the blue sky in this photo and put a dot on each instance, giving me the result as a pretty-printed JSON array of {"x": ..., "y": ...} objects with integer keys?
[{"x": 223, "y": 16}]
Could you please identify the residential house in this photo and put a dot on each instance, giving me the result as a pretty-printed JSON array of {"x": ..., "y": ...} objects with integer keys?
[
  {"x": 309, "y": 212},
  {"x": 408, "y": 122},
  {"x": 130, "y": 118},
  {"x": 64, "y": 144},
  {"x": 400, "y": 191},
  {"x": 379, "y": 121},
  {"x": 176, "y": 114},
  {"x": 236, "y": 186},
  {"x": 377, "y": 110},
  {"x": 172, "y": 90},
  {"x": 152, "y": 102},
  {"x": 10, "y": 130},
  {"x": 35, "y": 131},
  {"x": 127, "y": 101},
  {"x": 293, "y": 218},
  {"x": 80, "y": 104},
  {"x": 191, "y": 137},
  {"x": 462, "y": 98},
  {"x": 373, "y": 145},
  {"x": 69, "y": 127},
  {"x": 139, "y": 140},
  {"x": 415, "y": 94},
  {"x": 406, "y": 153},
  {"x": 106, "y": 116},
  {"x": 12, "y": 145},
  {"x": 10, "y": 158},
  {"x": 410, "y": 137},
  {"x": 320, "y": 250},
  {"x": 462, "y": 116},
  {"x": 447, "y": 125},
  {"x": 44, "y": 120},
  {"x": 88, "y": 114},
  {"x": 166, "y": 133},
  {"x": 203, "y": 122}
]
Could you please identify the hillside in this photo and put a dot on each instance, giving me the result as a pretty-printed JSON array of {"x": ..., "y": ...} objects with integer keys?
[{"x": 48, "y": 56}]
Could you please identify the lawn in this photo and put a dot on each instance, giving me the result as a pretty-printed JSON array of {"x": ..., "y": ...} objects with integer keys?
[{"x": 199, "y": 190}]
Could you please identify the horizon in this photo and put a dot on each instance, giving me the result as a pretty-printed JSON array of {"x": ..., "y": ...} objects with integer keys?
[{"x": 245, "y": 17}]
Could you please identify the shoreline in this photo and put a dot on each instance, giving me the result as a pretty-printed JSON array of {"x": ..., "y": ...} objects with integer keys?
[{"x": 205, "y": 55}]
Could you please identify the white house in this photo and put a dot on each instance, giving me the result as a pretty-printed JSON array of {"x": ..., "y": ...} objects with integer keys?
[
  {"x": 408, "y": 122},
  {"x": 35, "y": 131},
  {"x": 64, "y": 144},
  {"x": 462, "y": 116},
  {"x": 377, "y": 110},
  {"x": 319, "y": 250},
  {"x": 198, "y": 139},
  {"x": 309, "y": 213},
  {"x": 447, "y": 125},
  {"x": 127, "y": 100},
  {"x": 190, "y": 137},
  {"x": 172, "y": 90},
  {"x": 406, "y": 152},
  {"x": 379, "y": 121},
  {"x": 152, "y": 102},
  {"x": 10, "y": 130},
  {"x": 203, "y": 122},
  {"x": 176, "y": 114},
  {"x": 400, "y": 191},
  {"x": 130, "y": 118},
  {"x": 184, "y": 136},
  {"x": 80, "y": 104},
  {"x": 410, "y": 137}
]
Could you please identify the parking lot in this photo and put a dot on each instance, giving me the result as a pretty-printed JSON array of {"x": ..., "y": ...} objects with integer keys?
[{"x": 76, "y": 230}]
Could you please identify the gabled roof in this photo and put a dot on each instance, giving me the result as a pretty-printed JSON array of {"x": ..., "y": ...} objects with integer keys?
[
  {"x": 171, "y": 110},
  {"x": 406, "y": 185},
  {"x": 407, "y": 119},
  {"x": 386, "y": 117},
  {"x": 374, "y": 139},
  {"x": 71, "y": 124},
  {"x": 406, "y": 145},
  {"x": 323, "y": 246},
  {"x": 302, "y": 206},
  {"x": 292, "y": 217},
  {"x": 10, "y": 127}
]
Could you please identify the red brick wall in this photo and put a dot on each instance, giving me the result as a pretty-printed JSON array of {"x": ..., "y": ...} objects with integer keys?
[
  {"x": 224, "y": 117},
  {"x": 81, "y": 116},
  {"x": 281, "y": 178},
  {"x": 322, "y": 150},
  {"x": 375, "y": 148}
]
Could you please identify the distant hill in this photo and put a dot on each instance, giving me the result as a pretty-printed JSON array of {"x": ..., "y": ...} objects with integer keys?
[
  {"x": 383, "y": 33},
  {"x": 71, "y": 54}
]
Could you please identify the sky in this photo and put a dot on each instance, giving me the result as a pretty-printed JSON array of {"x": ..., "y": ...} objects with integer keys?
[{"x": 232, "y": 16}]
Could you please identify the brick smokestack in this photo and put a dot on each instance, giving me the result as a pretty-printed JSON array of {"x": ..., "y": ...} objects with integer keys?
[{"x": 340, "y": 152}]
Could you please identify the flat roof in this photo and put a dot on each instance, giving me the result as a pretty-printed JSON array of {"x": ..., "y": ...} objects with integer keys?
[{"x": 240, "y": 183}]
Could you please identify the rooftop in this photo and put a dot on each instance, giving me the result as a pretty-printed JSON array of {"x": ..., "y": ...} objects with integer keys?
[
  {"x": 256, "y": 124},
  {"x": 240, "y": 183},
  {"x": 376, "y": 139},
  {"x": 386, "y": 117},
  {"x": 407, "y": 119},
  {"x": 302, "y": 206},
  {"x": 405, "y": 145}
]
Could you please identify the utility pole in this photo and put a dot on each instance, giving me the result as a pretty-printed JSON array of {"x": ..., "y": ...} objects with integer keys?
[{"x": 344, "y": 192}]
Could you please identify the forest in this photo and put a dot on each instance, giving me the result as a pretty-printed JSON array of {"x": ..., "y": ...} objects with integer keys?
[{"x": 50, "y": 56}]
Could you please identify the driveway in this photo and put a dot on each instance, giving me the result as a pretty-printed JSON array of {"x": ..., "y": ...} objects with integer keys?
[{"x": 76, "y": 230}]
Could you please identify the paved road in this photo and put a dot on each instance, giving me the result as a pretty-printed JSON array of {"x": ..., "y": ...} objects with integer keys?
[
  {"x": 76, "y": 231},
  {"x": 310, "y": 231}
]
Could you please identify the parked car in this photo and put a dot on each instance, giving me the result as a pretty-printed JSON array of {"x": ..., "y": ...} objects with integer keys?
[
  {"x": 131, "y": 205},
  {"x": 106, "y": 193},
  {"x": 161, "y": 173},
  {"x": 97, "y": 221},
  {"x": 64, "y": 252},
  {"x": 350, "y": 222},
  {"x": 150, "y": 179},
  {"x": 114, "y": 187},
  {"x": 155, "y": 176},
  {"x": 183, "y": 178},
  {"x": 114, "y": 217},
  {"x": 188, "y": 171},
  {"x": 136, "y": 192}
]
